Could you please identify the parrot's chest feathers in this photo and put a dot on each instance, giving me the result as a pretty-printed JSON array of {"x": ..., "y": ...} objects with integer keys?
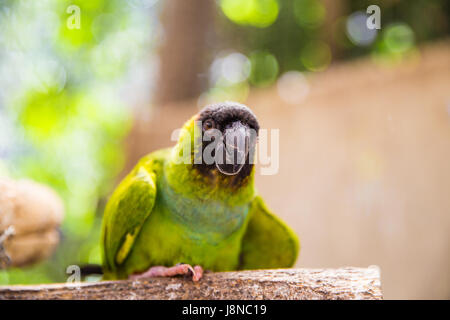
[{"x": 204, "y": 217}]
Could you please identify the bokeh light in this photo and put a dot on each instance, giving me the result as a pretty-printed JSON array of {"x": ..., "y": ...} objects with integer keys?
[
  {"x": 357, "y": 31},
  {"x": 224, "y": 92},
  {"x": 257, "y": 13},
  {"x": 233, "y": 67},
  {"x": 264, "y": 68},
  {"x": 228, "y": 76},
  {"x": 316, "y": 56},
  {"x": 141, "y": 4},
  {"x": 292, "y": 87},
  {"x": 309, "y": 13},
  {"x": 398, "y": 38}
]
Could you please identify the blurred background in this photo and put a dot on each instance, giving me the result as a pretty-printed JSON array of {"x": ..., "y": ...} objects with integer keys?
[{"x": 364, "y": 117}]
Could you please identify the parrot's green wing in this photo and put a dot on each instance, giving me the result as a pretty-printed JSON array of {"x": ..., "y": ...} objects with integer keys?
[
  {"x": 126, "y": 211},
  {"x": 268, "y": 242}
]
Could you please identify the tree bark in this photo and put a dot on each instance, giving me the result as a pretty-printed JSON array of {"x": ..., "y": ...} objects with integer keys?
[
  {"x": 343, "y": 283},
  {"x": 334, "y": 11}
]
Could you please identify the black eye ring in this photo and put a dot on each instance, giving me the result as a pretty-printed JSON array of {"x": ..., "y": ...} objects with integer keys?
[{"x": 208, "y": 124}]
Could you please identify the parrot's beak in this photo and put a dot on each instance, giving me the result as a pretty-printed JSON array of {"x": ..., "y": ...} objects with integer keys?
[{"x": 232, "y": 151}]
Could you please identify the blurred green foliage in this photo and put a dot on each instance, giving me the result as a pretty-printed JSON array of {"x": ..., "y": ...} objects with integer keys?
[
  {"x": 66, "y": 121},
  {"x": 308, "y": 35}
]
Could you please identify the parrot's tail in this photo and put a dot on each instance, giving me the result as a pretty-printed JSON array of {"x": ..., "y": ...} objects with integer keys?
[{"x": 90, "y": 269}]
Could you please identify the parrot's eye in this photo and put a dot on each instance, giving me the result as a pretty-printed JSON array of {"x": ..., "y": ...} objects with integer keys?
[{"x": 208, "y": 124}]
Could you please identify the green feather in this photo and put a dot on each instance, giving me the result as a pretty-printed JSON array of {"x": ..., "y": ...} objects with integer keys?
[{"x": 268, "y": 242}]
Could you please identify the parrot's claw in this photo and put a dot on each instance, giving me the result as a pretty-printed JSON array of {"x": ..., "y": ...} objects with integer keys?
[{"x": 179, "y": 269}]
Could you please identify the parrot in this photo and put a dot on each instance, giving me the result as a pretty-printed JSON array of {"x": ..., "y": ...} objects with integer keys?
[{"x": 171, "y": 217}]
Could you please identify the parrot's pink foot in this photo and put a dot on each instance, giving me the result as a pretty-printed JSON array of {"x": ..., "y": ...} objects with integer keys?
[{"x": 179, "y": 269}]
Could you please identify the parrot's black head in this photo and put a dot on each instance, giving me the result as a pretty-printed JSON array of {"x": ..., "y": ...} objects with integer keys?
[{"x": 229, "y": 136}]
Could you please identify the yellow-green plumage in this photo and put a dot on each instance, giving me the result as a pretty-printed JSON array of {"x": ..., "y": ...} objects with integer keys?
[{"x": 164, "y": 213}]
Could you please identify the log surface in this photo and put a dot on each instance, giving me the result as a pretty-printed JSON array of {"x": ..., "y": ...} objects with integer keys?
[{"x": 342, "y": 283}]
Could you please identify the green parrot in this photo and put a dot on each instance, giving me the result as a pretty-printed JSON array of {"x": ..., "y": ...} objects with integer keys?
[{"x": 183, "y": 210}]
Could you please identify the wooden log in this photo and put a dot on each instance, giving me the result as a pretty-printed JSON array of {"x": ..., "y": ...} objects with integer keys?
[{"x": 342, "y": 283}]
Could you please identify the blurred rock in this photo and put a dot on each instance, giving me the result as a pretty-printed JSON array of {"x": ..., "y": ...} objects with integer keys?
[
  {"x": 364, "y": 173},
  {"x": 35, "y": 212}
]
